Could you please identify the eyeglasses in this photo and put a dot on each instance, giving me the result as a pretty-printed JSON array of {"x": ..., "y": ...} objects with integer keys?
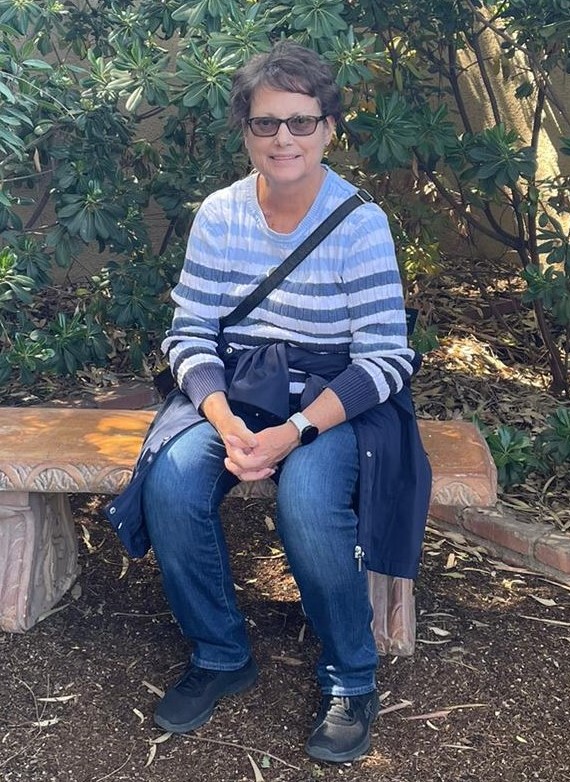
[{"x": 299, "y": 125}]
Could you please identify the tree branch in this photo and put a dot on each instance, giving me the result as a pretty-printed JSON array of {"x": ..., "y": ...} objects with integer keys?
[{"x": 476, "y": 46}]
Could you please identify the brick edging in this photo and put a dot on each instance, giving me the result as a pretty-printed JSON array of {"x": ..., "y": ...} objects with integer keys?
[{"x": 532, "y": 545}]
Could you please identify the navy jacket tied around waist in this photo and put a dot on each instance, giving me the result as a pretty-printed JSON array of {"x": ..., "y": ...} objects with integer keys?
[{"x": 395, "y": 475}]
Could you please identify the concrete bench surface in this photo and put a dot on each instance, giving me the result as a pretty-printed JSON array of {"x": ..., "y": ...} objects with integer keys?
[{"x": 46, "y": 453}]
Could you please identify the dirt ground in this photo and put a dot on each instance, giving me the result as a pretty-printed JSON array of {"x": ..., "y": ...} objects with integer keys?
[{"x": 485, "y": 696}]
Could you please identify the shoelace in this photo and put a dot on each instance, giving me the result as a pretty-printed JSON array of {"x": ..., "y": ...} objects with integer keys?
[
  {"x": 194, "y": 680},
  {"x": 338, "y": 710}
]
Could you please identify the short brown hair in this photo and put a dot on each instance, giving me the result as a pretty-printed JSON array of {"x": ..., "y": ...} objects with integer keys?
[{"x": 289, "y": 67}]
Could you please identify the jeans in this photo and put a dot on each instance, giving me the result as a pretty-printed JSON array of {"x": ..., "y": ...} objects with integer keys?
[{"x": 317, "y": 524}]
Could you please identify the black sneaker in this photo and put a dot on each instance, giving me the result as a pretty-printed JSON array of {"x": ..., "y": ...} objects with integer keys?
[
  {"x": 191, "y": 701},
  {"x": 342, "y": 728}
]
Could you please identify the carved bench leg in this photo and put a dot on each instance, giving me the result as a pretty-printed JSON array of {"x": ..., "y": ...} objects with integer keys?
[{"x": 38, "y": 556}]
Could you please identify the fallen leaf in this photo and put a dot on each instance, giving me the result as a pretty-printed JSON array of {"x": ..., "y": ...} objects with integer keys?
[
  {"x": 457, "y": 537},
  {"x": 139, "y": 714},
  {"x": 45, "y": 723},
  {"x": 544, "y": 601},
  {"x": 152, "y": 688},
  {"x": 439, "y": 631},
  {"x": 86, "y": 537},
  {"x": 511, "y": 569},
  {"x": 522, "y": 741},
  {"x": 451, "y": 561},
  {"x": 257, "y": 775},
  {"x": 162, "y": 738},
  {"x": 58, "y": 699},
  {"x": 269, "y": 523},
  {"x": 485, "y": 571},
  {"x": 287, "y": 660},
  {"x": 436, "y": 613},
  {"x": 433, "y": 643},
  {"x": 151, "y": 755},
  {"x": 124, "y": 569}
]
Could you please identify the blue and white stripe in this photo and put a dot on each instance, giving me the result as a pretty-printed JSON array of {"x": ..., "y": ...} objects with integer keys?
[{"x": 346, "y": 296}]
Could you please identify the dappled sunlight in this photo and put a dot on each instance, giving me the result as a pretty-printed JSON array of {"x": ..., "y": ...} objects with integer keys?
[
  {"x": 474, "y": 356},
  {"x": 67, "y": 450},
  {"x": 119, "y": 435},
  {"x": 61, "y": 435}
]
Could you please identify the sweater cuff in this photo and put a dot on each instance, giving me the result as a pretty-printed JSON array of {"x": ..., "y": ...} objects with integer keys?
[
  {"x": 203, "y": 381},
  {"x": 355, "y": 389}
]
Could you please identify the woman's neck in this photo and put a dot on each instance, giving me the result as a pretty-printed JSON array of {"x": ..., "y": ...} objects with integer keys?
[{"x": 284, "y": 207}]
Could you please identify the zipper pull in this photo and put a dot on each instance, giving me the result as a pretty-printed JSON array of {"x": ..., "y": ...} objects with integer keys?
[{"x": 359, "y": 556}]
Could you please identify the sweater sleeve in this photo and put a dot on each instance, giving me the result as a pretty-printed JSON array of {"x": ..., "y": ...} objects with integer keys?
[
  {"x": 381, "y": 361},
  {"x": 191, "y": 341}
]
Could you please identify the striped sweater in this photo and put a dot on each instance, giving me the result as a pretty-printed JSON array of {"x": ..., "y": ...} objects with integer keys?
[{"x": 345, "y": 297}]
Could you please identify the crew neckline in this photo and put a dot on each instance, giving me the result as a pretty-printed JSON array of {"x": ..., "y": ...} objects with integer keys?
[{"x": 260, "y": 217}]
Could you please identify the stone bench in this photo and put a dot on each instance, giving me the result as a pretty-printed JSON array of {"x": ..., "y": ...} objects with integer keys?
[{"x": 46, "y": 454}]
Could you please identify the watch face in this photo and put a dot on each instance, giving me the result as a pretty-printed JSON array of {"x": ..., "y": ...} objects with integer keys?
[{"x": 309, "y": 434}]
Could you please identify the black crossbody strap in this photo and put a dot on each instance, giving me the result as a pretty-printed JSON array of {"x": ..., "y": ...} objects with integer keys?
[{"x": 286, "y": 267}]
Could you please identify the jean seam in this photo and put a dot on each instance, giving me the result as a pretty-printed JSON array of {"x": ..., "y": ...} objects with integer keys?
[{"x": 216, "y": 541}]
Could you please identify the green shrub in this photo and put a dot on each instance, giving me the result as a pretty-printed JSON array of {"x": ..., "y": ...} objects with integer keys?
[{"x": 78, "y": 81}]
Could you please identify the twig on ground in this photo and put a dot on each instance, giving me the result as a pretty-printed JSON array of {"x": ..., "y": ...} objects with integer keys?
[
  {"x": 222, "y": 743},
  {"x": 445, "y": 711},
  {"x": 116, "y": 770},
  {"x": 556, "y": 622}
]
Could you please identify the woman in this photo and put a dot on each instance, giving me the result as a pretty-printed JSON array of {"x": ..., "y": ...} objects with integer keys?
[{"x": 336, "y": 329}]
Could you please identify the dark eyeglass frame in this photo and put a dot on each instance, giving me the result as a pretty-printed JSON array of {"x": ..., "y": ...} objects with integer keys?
[{"x": 249, "y": 122}]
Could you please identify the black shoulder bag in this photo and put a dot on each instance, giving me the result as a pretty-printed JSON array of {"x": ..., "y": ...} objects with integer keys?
[{"x": 164, "y": 382}]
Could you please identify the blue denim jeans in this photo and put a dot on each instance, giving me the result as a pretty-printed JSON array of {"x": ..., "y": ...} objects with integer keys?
[{"x": 317, "y": 525}]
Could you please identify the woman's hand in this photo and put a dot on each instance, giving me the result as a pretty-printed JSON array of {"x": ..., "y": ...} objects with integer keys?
[
  {"x": 251, "y": 457},
  {"x": 261, "y": 460},
  {"x": 239, "y": 441}
]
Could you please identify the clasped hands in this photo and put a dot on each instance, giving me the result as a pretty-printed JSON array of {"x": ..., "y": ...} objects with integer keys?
[{"x": 253, "y": 456}]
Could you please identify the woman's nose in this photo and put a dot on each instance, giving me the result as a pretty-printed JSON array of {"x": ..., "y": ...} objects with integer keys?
[{"x": 283, "y": 135}]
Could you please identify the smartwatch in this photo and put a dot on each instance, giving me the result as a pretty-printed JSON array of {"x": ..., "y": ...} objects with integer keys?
[{"x": 307, "y": 431}]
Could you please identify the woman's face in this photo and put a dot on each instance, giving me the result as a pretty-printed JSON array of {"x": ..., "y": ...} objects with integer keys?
[{"x": 285, "y": 160}]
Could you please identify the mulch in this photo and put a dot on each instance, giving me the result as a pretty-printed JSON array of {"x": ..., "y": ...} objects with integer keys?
[{"x": 484, "y": 697}]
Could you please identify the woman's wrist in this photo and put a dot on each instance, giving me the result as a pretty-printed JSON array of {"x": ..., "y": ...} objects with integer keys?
[{"x": 216, "y": 410}]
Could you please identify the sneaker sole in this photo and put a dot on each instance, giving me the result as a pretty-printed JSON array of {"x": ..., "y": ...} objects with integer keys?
[
  {"x": 202, "y": 718},
  {"x": 319, "y": 753}
]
